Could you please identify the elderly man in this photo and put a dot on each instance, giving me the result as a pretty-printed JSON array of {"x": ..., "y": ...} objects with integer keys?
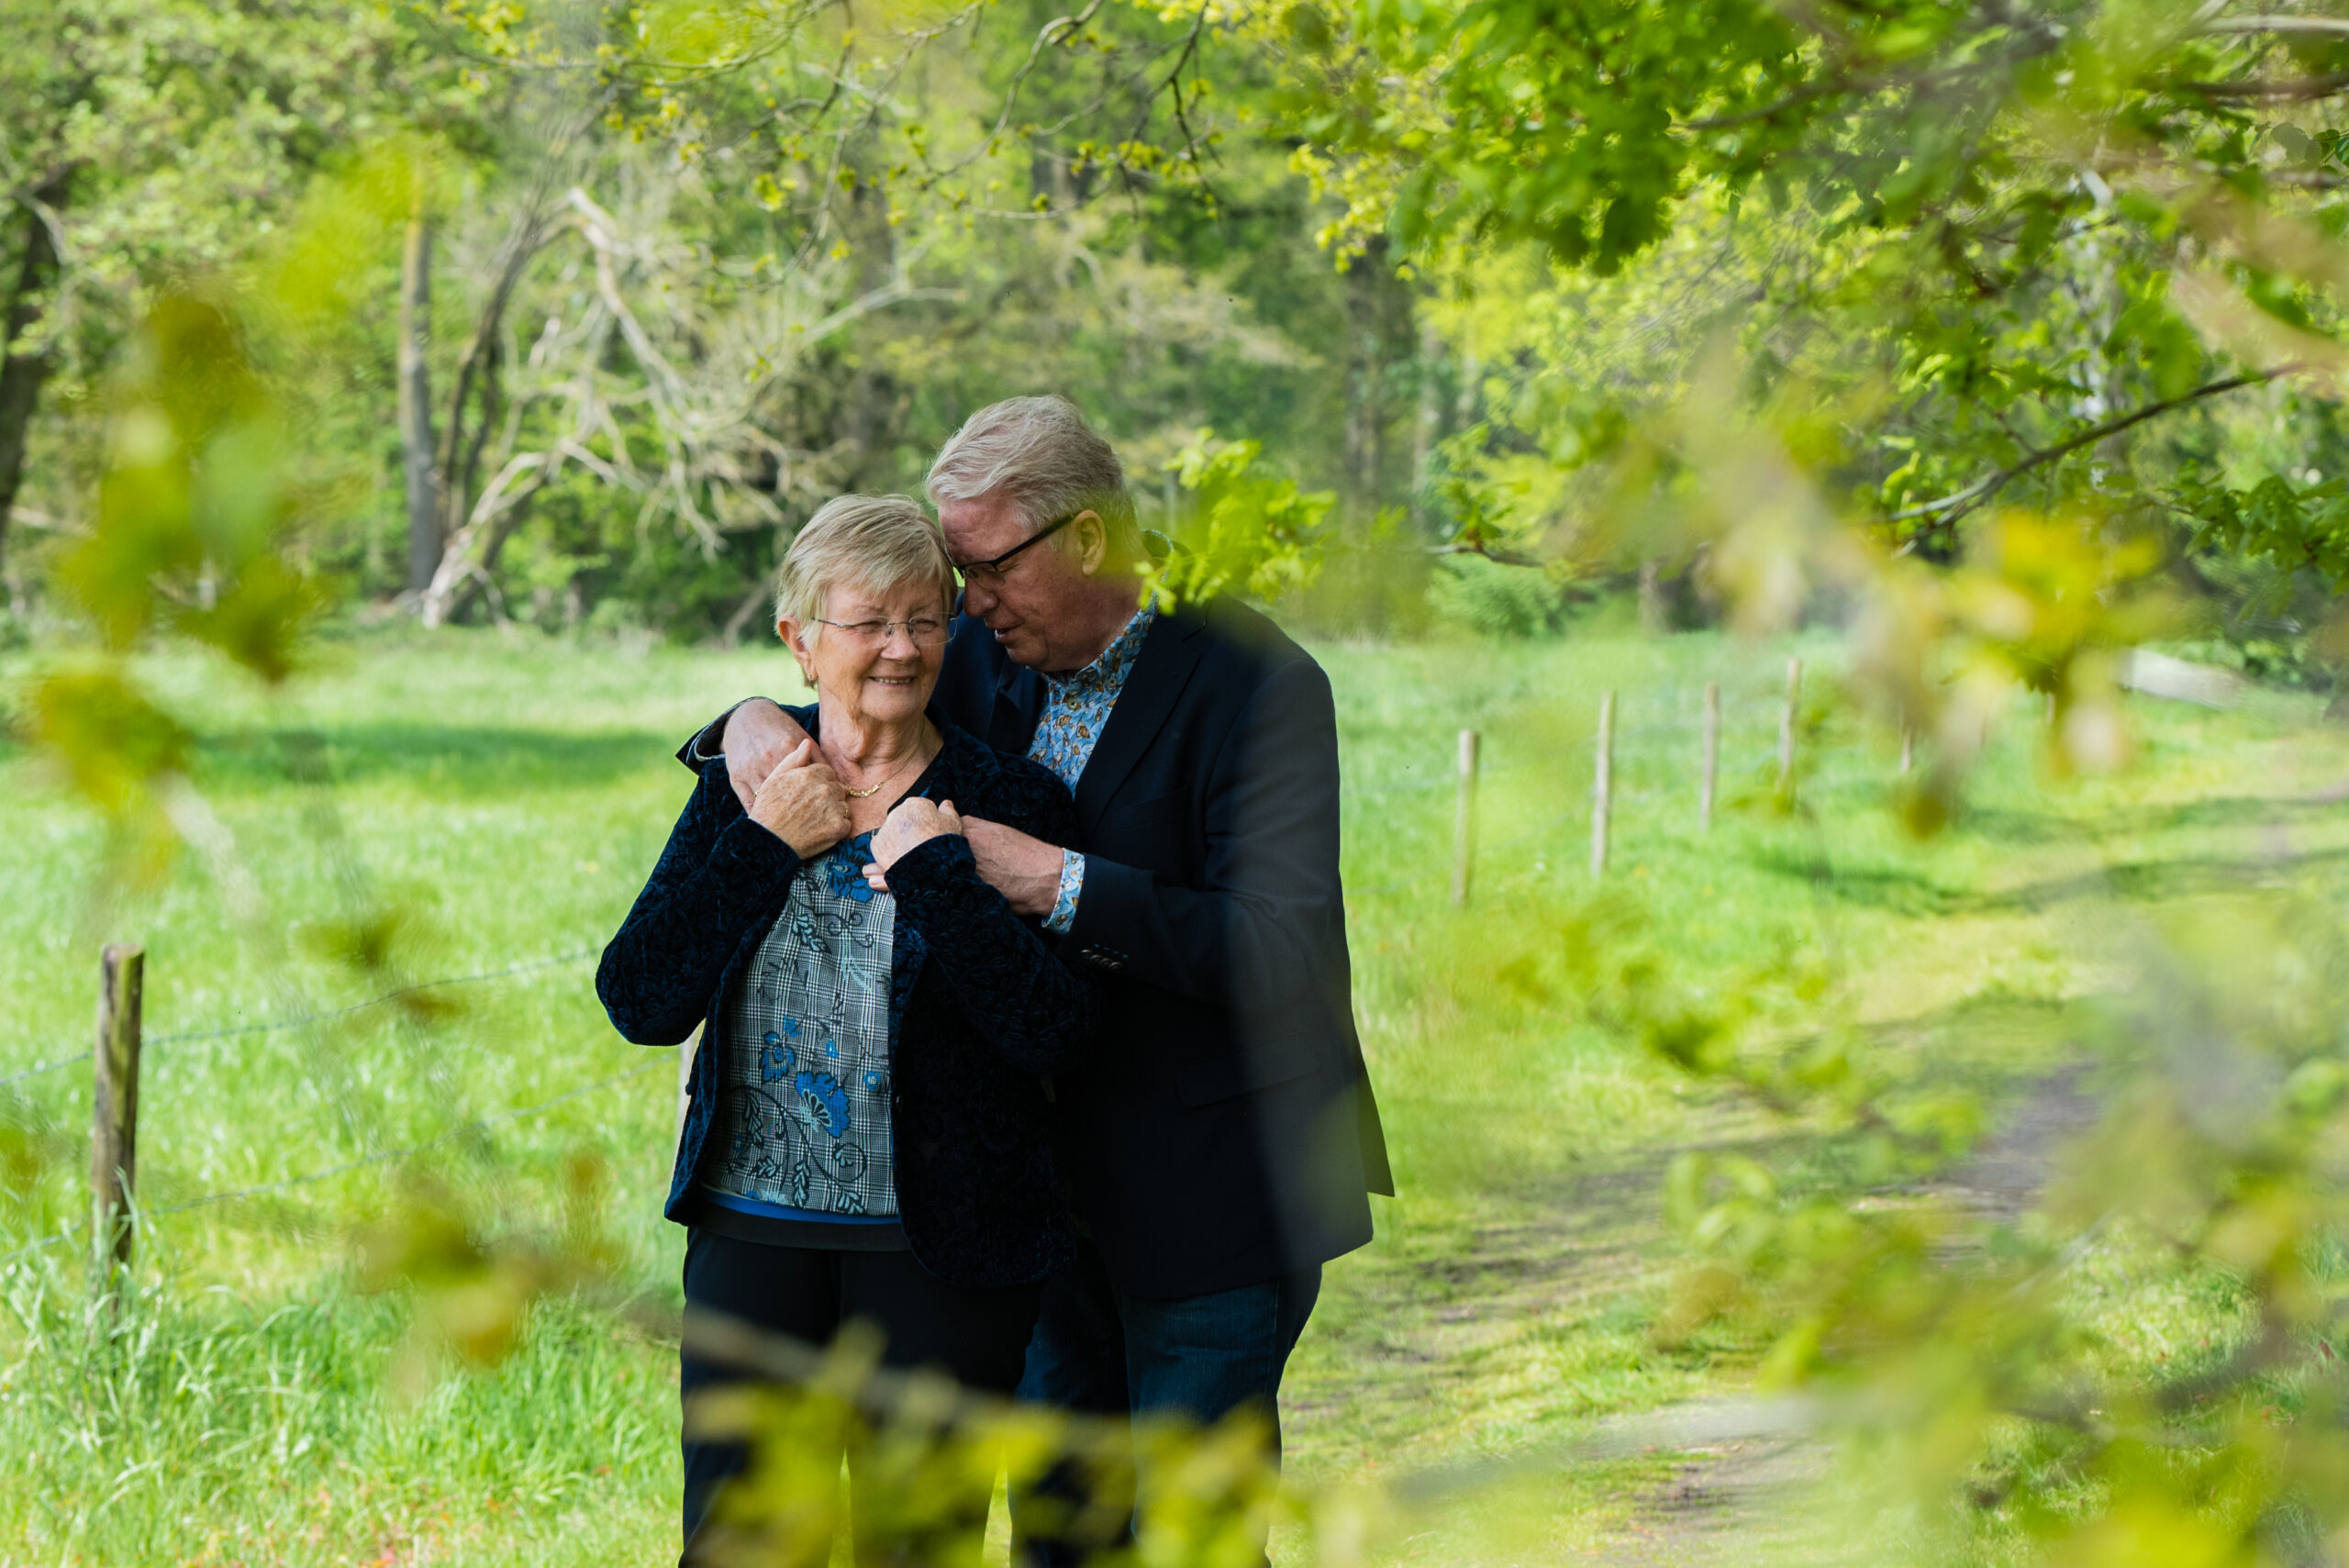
[{"x": 1221, "y": 1137}]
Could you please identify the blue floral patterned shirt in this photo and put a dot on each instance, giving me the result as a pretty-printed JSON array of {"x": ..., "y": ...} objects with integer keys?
[
  {"x": 1077, "y": 708},
  {"x": 804, "y": 1123}
]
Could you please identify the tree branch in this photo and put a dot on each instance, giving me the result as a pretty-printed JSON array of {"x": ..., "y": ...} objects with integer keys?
[
  {"x": 24, "y": 366},
  {"x": 1841, "y": 86},
  {"x": 2305, "y": 26},
  {"x": 1058, "y": 31},
  {"x": 459, "y": 458},
  {"x": 1958, "y": 503},
  {"x": 1796, "y": 99},
  {"x": 1501, "y": 555},
  {"x": 2284, "y": 89}
]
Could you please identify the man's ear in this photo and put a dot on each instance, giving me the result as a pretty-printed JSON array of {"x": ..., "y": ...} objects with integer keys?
[{"x": 1092, "y": 541}]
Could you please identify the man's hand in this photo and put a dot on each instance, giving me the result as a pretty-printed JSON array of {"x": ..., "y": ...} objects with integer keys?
[
  {"x": 801, "y": 803},
  {"x": 759, "y": 736},
  {"x": 1026, "y": 871}
]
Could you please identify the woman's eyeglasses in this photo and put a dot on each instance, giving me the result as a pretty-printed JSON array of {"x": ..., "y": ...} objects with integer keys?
[
  {"x": 992, "y": 571},
  {"x": 927, "y": 631}
]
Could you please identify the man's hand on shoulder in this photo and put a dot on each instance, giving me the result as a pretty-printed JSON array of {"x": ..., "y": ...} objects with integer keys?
[
  {"x": 1026, "y": 871},
  {"x": 759, "y": 736}
]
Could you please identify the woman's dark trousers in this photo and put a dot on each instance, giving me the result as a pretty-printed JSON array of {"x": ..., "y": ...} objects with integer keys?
[{"x": 978, "y": 1337}]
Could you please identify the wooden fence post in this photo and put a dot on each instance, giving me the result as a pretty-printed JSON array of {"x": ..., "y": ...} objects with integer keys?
[
  {"x": 1602, "y": 784},
  {"x": 1463, "y": 828},
  {"x": 1712, "y": 756},
  {"x": 113, "y": 1100},
  {"x": 1786, "y": 727}
]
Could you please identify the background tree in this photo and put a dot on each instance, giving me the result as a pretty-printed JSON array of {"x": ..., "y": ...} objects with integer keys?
[
  {"x": 145, "y": 145},
  {"x": 2037, "y": 254}
]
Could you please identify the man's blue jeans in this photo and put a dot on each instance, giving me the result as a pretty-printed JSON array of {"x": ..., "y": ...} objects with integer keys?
[{"x": 1103, "y": 1352}]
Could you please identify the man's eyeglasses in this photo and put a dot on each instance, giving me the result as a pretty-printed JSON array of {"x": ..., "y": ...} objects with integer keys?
[
  {"x": 992, "y": 571},
  {"x": 927, "y": 631}
]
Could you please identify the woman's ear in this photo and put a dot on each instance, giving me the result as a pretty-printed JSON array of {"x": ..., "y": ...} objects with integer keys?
[{"x": 788, "y": 630}]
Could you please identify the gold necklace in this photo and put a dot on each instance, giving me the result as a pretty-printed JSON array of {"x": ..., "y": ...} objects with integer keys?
[{"x": 875, "y": 789}]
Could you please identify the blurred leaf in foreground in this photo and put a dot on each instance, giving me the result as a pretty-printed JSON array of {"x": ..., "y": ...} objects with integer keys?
[{"x": 2004, "y": 1378}]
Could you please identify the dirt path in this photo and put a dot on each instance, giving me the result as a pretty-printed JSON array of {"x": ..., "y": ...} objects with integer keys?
[
  {"x": 1748, "y": 1499},
  {"x": 1728, "y": 1504},
  {"x": 1449, "y": 1347},
  {"x": 1424, "y": 1348}
]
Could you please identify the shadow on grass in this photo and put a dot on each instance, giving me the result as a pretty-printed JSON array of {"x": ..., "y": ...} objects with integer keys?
[
  {"x": 1903, "y": 891},
  {"x": 453, "y": 759},
  {"x": 2016, "y": 826}
]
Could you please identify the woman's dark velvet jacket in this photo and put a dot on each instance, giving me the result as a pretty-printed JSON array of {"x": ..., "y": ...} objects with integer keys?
[{"x": 979, "y": 1006}]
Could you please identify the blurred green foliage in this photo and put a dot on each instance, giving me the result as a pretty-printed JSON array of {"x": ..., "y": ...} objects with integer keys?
[
  {"x": 1953, "y": 1344},
  {"x": 1957, "y": 323},
  {"x": 2076, "y": 257}
]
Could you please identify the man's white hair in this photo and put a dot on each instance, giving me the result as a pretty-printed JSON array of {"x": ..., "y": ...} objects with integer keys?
[
  {"x": 878, "y": 543},
  {"x": 1039, "y": 452}
]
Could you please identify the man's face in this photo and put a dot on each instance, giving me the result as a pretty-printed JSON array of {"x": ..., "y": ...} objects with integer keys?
[{"x": 1035, "y": 602}]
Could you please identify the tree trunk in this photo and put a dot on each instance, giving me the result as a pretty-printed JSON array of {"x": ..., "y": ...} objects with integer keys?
[
  {"x": 1430, "y": 417},
  {"x": 1654, "y": 619},
  {"x": 478, "y": 382},
  {"x": 1383, "y": 334},
  {"x": 1364, "y": 414},
  {"x": 22, "y": 374},
  {"x": 417, "y": 445}
]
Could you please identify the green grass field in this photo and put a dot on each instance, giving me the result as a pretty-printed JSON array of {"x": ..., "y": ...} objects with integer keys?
[{"x": 255, "y": 1404}]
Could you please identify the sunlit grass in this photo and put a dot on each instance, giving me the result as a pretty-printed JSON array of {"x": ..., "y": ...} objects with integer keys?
[{"x": 252, "y": 1403}]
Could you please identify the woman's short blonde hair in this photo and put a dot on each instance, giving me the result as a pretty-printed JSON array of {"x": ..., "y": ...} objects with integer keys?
[{"x": 878, "y": 543}]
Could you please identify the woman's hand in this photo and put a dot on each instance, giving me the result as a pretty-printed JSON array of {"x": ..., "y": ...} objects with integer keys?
[
  {"x": 801, "y": 803},
  {"x": 913, "y": 821}
]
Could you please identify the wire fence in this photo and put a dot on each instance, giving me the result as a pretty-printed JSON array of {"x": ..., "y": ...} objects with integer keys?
[
  {"x": 326, "y": 1016},
  {"x": 310, "y": 1178},
  {"x": 1443, "y": 780},
  {"x": 522, "y": 1113},
  {"x": 45, "y": 1067},
  {"x": 575, "y": 956},
  {"x": 260, "y": 1189},
  {"x": 1673, "y": 715},
  {"x": 1627, "y": 736}
]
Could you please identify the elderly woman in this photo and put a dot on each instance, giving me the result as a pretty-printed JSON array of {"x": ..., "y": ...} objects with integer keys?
[{"x": 867, "y": 1136}]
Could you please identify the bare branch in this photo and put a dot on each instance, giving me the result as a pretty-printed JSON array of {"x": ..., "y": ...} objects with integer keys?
[
  {"x": 2304, "y": 27},
  {"x": 2281, "y": 89},
  {"x": 1058, "y": 31},
  {"x": 896, "y": 292},
  {"x": 459, "y": 459},
  {"x": 1499, "y": 555},
  {"x": 2308, "y": 179},
  {"x": 1957, "y": 503},
  {"x": 1834, "y": 88}
]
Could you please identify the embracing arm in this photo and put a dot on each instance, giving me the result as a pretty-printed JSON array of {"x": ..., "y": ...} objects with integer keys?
[
  {"x": 1262, "y": 933},
  {"x": 721, "y": 876},
  {"x": 751, "y": 739}
]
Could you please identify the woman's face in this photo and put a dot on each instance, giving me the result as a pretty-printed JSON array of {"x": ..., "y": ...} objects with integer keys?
[{"x": 877, "y": 655}]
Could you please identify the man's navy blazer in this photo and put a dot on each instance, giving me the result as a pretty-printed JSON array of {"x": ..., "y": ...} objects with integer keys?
[{"x": 1223, "y": 1131}]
